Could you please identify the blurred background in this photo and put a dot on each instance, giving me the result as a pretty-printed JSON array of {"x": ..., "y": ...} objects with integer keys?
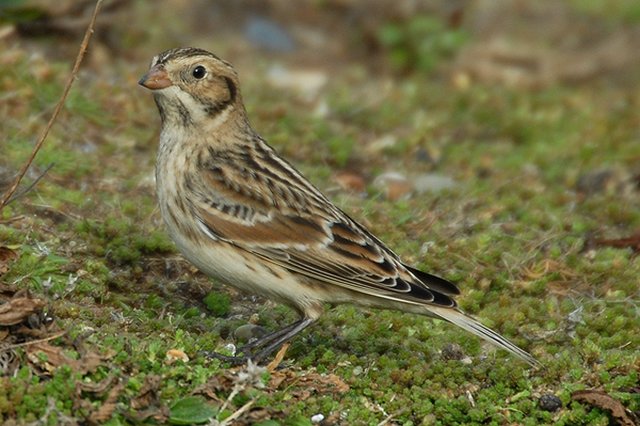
[
  {"x": 343, "y": 59},
  {"x": 514, "y": 42}
]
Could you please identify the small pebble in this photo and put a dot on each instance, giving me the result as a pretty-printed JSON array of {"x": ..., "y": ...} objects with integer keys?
[
  {"x": 306, "y": 82},
  {"x": 596, "y": 181},
  {"x": 549, "y": 402},
  {"x": 394, "y": 185},
  {"x": 317, "y": 418},
  {"x": 268, "y": 34},
  {"x": 231, "y": 348},
  {"x": 425, "y": 156},
  {"x": 452, "y": 351},
  {"x": 432, "y": 183},
  {"x": 350, "y": 181},
  {"x": 378, "y": 145},
  {"x": 247, "y": 332}
]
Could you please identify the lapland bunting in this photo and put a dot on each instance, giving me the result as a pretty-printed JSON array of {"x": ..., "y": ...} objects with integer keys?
[{"x": 246, "y": 217}]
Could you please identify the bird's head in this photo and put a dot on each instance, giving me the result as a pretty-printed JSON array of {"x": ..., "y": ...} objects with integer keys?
[{"x": 193, "y": 87}]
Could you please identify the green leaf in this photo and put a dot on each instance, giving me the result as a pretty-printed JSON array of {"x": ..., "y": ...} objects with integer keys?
[
  {"x": 191, "y": 410},
  {"x": 297, "y": 421}
]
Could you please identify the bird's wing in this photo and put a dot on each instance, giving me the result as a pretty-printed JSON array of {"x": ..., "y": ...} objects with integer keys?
[{"x": 291, "y": 224}]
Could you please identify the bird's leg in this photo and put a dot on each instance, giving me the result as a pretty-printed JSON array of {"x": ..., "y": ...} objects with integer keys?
[
  {"x": 265, "y": 344},
  {"x": 278, "y": 338},
  {"x": 269, "y": 337}
]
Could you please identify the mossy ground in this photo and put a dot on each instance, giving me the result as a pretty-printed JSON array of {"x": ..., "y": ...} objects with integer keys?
[{"x": 515, "y": 233}]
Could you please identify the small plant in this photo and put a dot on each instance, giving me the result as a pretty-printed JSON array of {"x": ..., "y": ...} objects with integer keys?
[
  {"x": 117, "y": 240},
  {"x": 420, "y": 44},
  {"x": 218, "y": 304}
]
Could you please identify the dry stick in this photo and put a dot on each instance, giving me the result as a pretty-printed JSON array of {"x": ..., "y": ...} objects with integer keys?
[
  {"x": 34, "y": 342},
  {"x": 278, "y": 358},
  {"x": 31, "y": 185},
  {"x": 240, "y": 411},
  {"x": 56, "y": 111}
]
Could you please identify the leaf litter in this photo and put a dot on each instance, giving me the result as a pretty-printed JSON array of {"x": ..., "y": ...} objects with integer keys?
[
  {"x": 604, "y": 401},
  {"x": 27, "y": 328},
  {"x": 7, "y": 256}
]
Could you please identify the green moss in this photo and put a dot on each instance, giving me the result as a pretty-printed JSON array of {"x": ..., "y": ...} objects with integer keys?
[
  {"x": 341, "y": 149},
  {"x": 421, "y": 44},
  {"x": 218, "y": 303},
  {"x": 118, "y": 241}
]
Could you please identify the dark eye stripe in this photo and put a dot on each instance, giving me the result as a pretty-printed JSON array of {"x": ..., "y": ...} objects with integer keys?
[
  {"x": 232, "y": 89},
  {"x": 214, "y": 108}
]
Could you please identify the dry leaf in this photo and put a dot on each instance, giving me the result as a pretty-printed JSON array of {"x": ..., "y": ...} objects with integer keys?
[
  {"x": 47, "y": 357},
  {"x": 7, "y": 290},
  {"x": 261, "y": 414},
  {"x": 148, "y": 394},
  {"x": 632, "y": 242},
  {"x": 54, "y": 358},
  {"x": 275, "y": 362},
  {"x": 604, "y": 401},
  {"x": 325, "y": 383},
  {"x": 18, "y": 309},
  {"x": 147, "y": 404},
  {"x": 219, "y": 383},
  {"x": 174, "y": 355},
  {"x": 99, "y": 387},
  {"x": 159, "y": 414},
  {"x": 308, "y": 383},
  {"x": 89, "y": 362},
  {"x": 105, "y": 411},
  {"x": 9, "y": 362},
  {"x": 7, "y": 256}
]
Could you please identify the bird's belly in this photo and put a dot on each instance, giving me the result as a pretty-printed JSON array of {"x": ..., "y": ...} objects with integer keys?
[{"x": 243, "y": 270}]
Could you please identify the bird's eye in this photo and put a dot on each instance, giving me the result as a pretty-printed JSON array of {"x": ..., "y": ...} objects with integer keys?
[{"x": 199, "y": 72}]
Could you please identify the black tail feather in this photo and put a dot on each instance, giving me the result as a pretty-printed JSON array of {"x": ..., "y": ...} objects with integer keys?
[{"x": 435, "y": 283}]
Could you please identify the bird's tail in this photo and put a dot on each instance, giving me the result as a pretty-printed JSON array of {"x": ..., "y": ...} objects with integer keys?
[{"x": 463, "y": 321}]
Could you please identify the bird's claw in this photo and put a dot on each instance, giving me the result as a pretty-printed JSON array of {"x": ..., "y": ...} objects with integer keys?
[{"x": 233, "y": 360}]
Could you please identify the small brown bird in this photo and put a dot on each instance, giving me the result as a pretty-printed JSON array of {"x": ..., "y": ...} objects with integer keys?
[{"x": 246, "y": 217}]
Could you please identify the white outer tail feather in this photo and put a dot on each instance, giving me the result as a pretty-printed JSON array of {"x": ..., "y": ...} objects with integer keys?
[{"x": 474, "y": 327}]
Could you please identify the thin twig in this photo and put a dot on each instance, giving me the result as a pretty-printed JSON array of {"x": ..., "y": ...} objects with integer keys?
[
  {"x": 11, "y": 219},
  {"x": 30, "y": 187},
  {"x": 240, "y": 411},
  {"x": 34, "y": 342},
  {"x": 235, "y": 391},
  {"x": 278, "y": 358},
  {"x": 391, "y": 416},
  {"x": 386, "y": 420},
  {"x": 74, "y": 72}
]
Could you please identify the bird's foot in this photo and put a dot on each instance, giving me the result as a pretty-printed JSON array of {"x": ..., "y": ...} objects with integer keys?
[
  {"x": 257, "y": 350},
  {"x": 233, "y": 360}
]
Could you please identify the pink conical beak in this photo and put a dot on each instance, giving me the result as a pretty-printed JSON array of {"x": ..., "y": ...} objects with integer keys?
[{"x": 156, "y": 78}]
